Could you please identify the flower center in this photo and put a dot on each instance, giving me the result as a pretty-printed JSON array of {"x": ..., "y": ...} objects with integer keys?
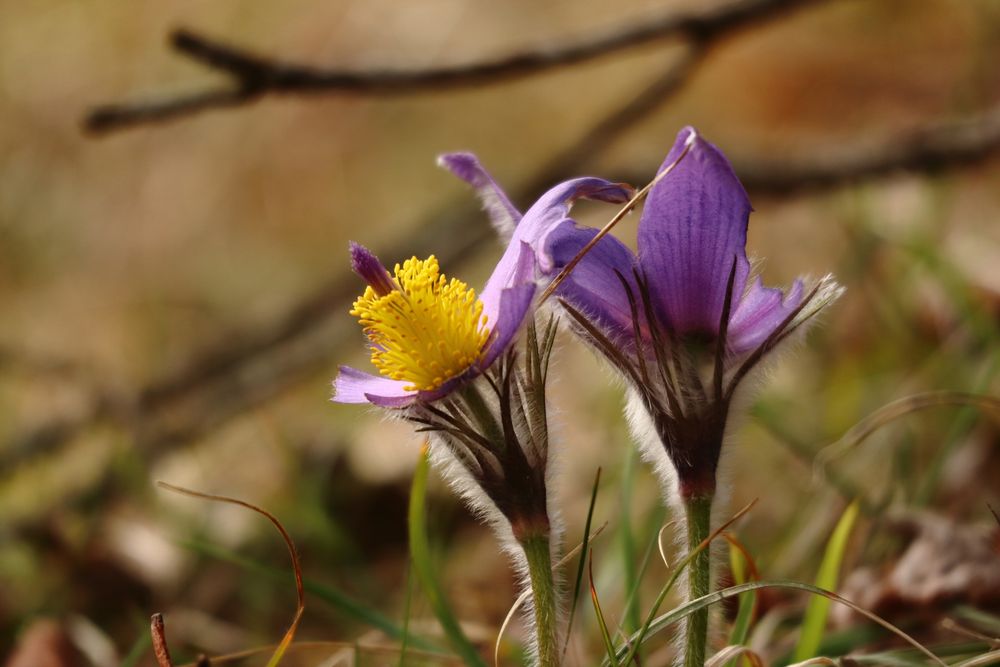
[{"x": 426, "y": 330}]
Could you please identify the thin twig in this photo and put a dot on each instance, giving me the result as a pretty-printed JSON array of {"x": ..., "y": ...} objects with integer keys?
[
  {"x": 251, "y": 365},
  {"x": 936, "y": 148},
  {"x": 289, "y": 636},
  {"x": 253, "y": 76},
  {"x": 939, "y": 147},
  {"x": 158, "y": 632},
  {"x": 278, "y": 354}
]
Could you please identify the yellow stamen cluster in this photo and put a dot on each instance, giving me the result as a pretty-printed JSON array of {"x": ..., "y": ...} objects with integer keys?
[{"x": 428, "y": 330}]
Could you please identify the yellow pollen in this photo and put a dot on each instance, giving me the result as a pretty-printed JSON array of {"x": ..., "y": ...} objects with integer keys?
[{"x": 427, "y": 330}]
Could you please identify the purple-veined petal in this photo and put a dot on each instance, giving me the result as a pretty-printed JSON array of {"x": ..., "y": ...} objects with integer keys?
[
  {"x": 759, "y": 313},
  {"x": 354, "y": 386},
  {"x": 502, "y": 213},
  {"x": 593, "y": 287},
  {"x": 693, "y": 224}
]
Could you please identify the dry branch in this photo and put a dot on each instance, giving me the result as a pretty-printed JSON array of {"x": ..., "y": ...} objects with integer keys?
[
  {"x": 253, "y": 76},
  {"x": 931, "y": 150},
  {"x": 255, "y": 362}
]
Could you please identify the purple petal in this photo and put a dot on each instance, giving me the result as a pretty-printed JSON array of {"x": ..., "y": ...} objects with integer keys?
[
  {"x": 518, "y": 262},
  {"x": 514, "y": 304},
  {"x": 507, "y": 299},
  {"x": 354, "y": 386},
  {"x": 593, "y": 287},
  {"x": 503, "y": 214},
  {"x": 552, "y": 209},
  {"x": 759, "y": 313},
  {"x": 510, "y": 289},
  {"x": 525, "y": 250},
  {"x": 693, "y": 225}
]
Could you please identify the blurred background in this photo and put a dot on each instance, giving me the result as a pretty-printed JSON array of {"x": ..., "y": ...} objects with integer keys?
[{"x": 174, "y": 302}]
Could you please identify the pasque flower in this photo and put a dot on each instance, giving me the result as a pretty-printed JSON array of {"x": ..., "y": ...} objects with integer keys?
[
  {"x": 430, "y": 336},
  {"x": 448, "y": 362},
  {"x": 684, "y": 322},
  {"x": 683, "y": 319}
]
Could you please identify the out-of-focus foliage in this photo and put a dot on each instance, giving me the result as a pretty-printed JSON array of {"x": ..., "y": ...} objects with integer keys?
[{"x": 122, "y": 257}]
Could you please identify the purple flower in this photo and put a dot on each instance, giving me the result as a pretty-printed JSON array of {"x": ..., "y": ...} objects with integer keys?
[
  {"x": 428, "y": 335},
  {"x": 447, "y": 363},
  {"x": 682, "y": 319}
]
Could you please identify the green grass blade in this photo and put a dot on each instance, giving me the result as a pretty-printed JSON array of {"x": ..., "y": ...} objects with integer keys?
[
  {"x": 985, "y": 621},
  {"x": 814, "y": 622},
  {"x": 602, "y": 624},
  {"x": 633, "y": 618},
  {"x": 341, "y": 602},
  {"x": 647, "y": 557},
  {"x": 741, "y": 626},
  {"x": 962, "y": 423},
  {"x": 991, "y": 658},
  {"x": 406, "y": 615},
  {"x": 770, "y": 416},
  {"x": 139, "y": 647},
  {"x": 843, "y": 642},
  {"x": 634, "y": 644},
  {"x": 959, "y": 655},
  {"x": 666, "y": 620},
  {"x": 423, "y": 567},
  {"x": 584, "y": 546}
]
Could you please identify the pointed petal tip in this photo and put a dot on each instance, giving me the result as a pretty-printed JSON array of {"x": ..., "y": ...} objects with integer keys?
[{"x": 449, "y": 160}]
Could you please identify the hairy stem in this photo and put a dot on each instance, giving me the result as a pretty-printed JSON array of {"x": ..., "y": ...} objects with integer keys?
[
  {"x": 544, "y": 596},
  {"x": 699, "y": 515}
]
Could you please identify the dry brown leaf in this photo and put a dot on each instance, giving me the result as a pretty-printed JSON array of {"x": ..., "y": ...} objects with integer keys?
[{"x": 944, "y": 563}]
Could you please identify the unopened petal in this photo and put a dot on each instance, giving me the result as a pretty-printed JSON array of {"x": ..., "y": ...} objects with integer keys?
[
  {"x": 692, "y": 227},
  {"x": 367, "y": 265}
]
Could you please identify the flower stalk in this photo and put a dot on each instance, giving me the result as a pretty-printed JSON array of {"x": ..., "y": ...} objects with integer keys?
[
  {"x": 684, "y": 321},
  {"x": 494, "y": 434},
  {"x": 544, "y": 596},
  {"x": 698, "y": 511}
]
